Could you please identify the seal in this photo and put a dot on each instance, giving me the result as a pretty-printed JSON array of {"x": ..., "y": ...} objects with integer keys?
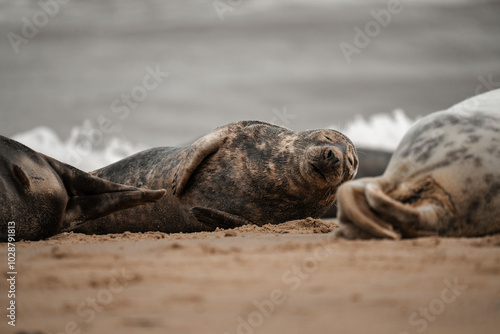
[
  {"x": 248, "y": 172},
  {"x": 43, "y": 196},
  {"x": 372, "y": 162},
  {"x": 442, "y": 180}
]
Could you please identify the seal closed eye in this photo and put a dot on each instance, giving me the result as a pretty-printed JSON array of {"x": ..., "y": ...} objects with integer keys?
[{"x": 241, "y": 173}]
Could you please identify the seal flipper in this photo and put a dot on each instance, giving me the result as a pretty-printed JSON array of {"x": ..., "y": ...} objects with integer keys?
[
  {"x": 91, "y": 197},
  {"x": 215, "y": 218},
  {"x": 83, "y": 208},
  {"x": 354, "y": 209},
  {"x": 198, "y": 151},
  {"x": 420, "y": 221}
]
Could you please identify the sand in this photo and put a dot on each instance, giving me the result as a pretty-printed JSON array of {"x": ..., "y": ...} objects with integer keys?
[{"x": 290, "y": 278}]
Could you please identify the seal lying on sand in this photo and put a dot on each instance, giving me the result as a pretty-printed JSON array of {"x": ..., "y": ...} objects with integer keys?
[
  {"x": 245, "y": 172},
  {"x": 43, "y": 196},
  {"x": 443, "y": 179}
]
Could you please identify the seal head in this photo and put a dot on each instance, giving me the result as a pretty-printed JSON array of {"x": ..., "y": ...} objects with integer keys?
[{"x": 327, "y": 161}]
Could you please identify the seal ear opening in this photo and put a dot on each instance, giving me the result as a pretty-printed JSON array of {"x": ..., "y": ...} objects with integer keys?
[
  {"x": 354, "y": 209},
  {"x": 91, "y": 197}
]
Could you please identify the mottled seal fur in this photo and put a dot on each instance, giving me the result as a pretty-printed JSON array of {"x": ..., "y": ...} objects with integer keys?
[
  {"x": 443, "y": 179},
  {"x": 372, "y": 162},
  {"x": 43, "y": 196},
  {"x": 245, "y": 172}
]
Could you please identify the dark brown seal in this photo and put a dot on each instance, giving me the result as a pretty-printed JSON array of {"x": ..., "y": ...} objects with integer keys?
[
  {"x": 41, "y": 196},
  {"x": 245, "y": 172}
]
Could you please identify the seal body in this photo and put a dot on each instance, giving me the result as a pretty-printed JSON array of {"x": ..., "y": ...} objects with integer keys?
[
  {"x": 40, "y": 196},
  {"x": 443, "y": 179},
  {"x": 245, "y": 172}
]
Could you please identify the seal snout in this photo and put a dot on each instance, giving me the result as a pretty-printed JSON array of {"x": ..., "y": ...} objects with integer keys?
[
  {"x": 325, "y": 162},
  {"x": 330, "y": 157}
]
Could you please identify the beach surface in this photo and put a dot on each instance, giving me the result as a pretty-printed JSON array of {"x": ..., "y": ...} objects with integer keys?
[{"x": 289, "y": 278}]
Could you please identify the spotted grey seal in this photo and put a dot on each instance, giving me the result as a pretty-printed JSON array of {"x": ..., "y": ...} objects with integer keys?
[
  {"x": 43, "y": 196},
  {"x": 244, "y": 172},
  {"x": 443, "y": 179}
]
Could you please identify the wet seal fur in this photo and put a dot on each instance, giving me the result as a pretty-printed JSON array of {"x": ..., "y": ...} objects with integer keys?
[
  {"x": 242, "y": 173},
  {"x": 443, "y": 179},
  {"x": 43, "y": 196}
]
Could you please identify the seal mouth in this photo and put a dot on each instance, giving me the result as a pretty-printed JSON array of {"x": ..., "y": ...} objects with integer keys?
[{"x": 317, "y": 170}]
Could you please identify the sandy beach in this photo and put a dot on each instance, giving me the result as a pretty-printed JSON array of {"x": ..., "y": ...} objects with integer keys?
[
  {"x": 264, "y": 60},
  {"x": 290, "y": 278}
]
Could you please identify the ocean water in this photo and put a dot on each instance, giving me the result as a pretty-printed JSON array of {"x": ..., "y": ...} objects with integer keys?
[
  {"x": 86, "y": 148},
  {"x": 83, "y": 148},
  {"x": 63, "y": 92}
]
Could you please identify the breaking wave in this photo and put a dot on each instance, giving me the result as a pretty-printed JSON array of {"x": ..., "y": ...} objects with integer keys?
[
  {"x": 380, "y": 131},
  {"x": 88, "y": 149}
]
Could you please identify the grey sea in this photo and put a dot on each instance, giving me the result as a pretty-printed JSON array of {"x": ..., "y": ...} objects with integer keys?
[{"x": 160, "y": 73}]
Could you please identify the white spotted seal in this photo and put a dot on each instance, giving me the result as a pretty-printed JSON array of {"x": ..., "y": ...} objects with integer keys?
[
  {"x": 43, "y": 196},
  {"x": 244, "y": 172},
  {"x": 443, "y": 179}
]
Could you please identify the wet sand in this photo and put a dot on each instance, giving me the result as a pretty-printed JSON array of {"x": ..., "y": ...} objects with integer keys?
[{"x": 290, "y": 278}]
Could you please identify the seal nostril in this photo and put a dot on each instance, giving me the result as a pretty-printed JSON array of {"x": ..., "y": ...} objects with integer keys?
[
  {"x": 330, "y": 156},
  {"x": 350, "y": 161}
]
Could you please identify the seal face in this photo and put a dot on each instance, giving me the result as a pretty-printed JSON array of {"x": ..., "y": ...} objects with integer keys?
[
  {"x": 43, "y": 196},
  {"x": 443, "y": 179},
  {"x": 244, "y": 172}
]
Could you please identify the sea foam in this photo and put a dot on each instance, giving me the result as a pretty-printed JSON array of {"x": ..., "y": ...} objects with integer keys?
[
  {"x": 87, "y": 150},
  {"x": 380, "y": 131}
]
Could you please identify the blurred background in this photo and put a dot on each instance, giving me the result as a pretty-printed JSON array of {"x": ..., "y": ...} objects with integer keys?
[{"x": 89, "y": 82}]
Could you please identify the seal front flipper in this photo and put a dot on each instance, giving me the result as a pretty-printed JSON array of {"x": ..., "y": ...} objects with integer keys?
[
  {"x": 91, "y": 197},
  {"x": 355, "y": 213},
  {"x": 198, "y": 151},
  {"x": 213, "y": 218}
]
